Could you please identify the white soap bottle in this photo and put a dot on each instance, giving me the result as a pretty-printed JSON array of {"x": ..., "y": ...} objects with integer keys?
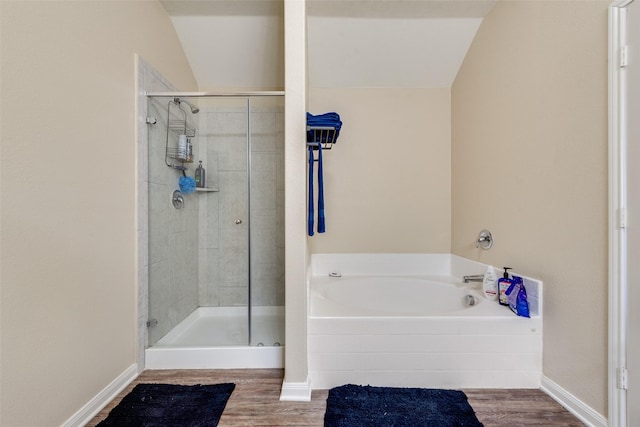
[{"x": 490, "y": 284}]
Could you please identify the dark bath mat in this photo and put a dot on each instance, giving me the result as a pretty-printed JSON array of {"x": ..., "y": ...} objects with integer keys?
[
  {"x": 155, "y": 405},
  {"x": 366, "y": 406}
]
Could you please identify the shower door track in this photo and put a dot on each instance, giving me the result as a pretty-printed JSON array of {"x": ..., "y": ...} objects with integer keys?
[{"x": 217, "y": 94}]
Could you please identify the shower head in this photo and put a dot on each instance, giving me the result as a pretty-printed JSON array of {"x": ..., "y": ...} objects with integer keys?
[{"x": 194, "y": 109}]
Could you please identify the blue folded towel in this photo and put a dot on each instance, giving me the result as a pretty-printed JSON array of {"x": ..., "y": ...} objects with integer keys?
[
  {"x": 331, "y": 119},
  {"x": 326, "y": 119}
]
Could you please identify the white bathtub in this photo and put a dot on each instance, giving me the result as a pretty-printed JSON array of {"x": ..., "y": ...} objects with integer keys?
[
  {"x": 355, "y": 296},
  {"x": 375, "y": 325}
]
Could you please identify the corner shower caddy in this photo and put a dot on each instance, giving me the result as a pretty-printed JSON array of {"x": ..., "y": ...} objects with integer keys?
[{"x": 179, "y": 127}]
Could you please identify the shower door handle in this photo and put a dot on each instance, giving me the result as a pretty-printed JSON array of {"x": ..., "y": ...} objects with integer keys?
[{"x": 238, "y": 221}]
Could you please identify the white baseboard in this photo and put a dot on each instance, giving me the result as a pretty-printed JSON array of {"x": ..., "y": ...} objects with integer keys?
[
  {"x": 584, "y": 412},
  {"x": 102, "y": 399},
  {"x": 296, "y": 392}
]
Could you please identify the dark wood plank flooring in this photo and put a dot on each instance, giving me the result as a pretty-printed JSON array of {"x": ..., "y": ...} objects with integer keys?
[{"x": 255, "y": 401}]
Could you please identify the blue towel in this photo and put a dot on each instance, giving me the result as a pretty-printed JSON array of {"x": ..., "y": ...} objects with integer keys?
[
  {"x": 326, "y": 119},
  {"x": 310, "y": 210},
  {"x": 321, "y": 226},
  {"x": 323, "y": 120},
  {"x": 310, "y": 218}
]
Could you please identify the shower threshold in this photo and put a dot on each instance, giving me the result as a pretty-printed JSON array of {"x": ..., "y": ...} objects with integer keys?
[{"x": 216, "y": 338}]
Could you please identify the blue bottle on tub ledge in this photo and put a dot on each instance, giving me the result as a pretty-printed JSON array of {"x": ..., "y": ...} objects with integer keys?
[{"x": 503, "y": 285}]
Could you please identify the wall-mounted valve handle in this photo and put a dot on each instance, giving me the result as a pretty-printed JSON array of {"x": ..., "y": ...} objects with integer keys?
[
  {"x": 485, "y": 240},
  {"x": 177, "y": 200}
]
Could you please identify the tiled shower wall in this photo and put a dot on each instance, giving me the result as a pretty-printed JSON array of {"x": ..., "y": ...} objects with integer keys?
[
  {"x": 158, "y": 237},
  {"x": 267, "y": 202},
  {"x": 223, "y": 215}
]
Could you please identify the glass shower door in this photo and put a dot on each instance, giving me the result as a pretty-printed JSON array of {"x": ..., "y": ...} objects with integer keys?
[
  {"x": 225, "y": 222},
  {"x": 173, "y": 221},
  {"x": 216, "y": 258},
  {"x": 266, "y": 122},
  {"x": 199, "y": 248}
]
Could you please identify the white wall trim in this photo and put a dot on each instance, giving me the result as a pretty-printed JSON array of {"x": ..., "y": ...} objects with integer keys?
[
  {"x": 581, "y": 410},
  {"x": 617, "y": 245},
  {"x": 296, "y": 392},
  {"x": 102, "y": 399}
]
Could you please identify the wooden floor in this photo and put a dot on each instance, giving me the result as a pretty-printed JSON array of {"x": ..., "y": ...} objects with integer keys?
[{"x": 255, "y": 401}]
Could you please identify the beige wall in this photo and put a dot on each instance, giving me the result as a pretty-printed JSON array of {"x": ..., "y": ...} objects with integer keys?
[
  {"x": 529, "y": 156},
  {"x": 387, "y": 180},
  {"x": 68, "y": 196}
]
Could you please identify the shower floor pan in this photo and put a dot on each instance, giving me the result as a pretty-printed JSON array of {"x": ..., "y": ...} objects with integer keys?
[{"x": 216, "y": 338}]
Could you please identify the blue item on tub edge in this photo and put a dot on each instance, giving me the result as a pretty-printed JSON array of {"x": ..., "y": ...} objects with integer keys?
[{"x": 517, "y": 296}]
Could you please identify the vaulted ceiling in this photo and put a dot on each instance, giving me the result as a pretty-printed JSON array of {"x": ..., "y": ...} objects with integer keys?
[{"x": 351, "y": 43}]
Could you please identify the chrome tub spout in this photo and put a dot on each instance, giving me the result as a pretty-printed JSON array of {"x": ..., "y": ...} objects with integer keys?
[{"x": 474, "y": 278}]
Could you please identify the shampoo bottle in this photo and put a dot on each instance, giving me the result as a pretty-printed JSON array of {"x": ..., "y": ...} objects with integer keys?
[
  {"x": 490, "y": 284},
  {"x": 182, "y": 147},
  {"x": 200, "y": 176},
  {"x": 189, "y": 151},
  {"x": 503, "y": 285}
]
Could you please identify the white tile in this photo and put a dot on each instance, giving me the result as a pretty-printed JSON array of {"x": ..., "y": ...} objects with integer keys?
[
  {"x": 143, "y": 249},
  {"x": 232, "y": 161},
  {"x": 212, "y": 221},
  {"x": 262, "y": 122},
  {"x": 280, "y": 173},
  {"x": 142, "y": 206},
  {"x": 263, "y": 162},
  {"x": 233, "y": 296},
  {"x": 263, "y": 190},
  {"x": 263, "y": 245},
  {"x": 264, "y": 142},
  {"x": 203, "y": 225},
  {"x": 158, "y": 246}
]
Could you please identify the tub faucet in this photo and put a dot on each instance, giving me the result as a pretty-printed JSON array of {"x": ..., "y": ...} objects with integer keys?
[{"x": 474, "y": 278}]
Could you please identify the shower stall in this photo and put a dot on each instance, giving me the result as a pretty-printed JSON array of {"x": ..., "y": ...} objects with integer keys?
[{"x": 216, "y": 251}]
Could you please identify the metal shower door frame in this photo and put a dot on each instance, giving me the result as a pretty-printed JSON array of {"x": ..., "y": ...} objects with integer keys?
[{"x": 247, "y": 96}]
